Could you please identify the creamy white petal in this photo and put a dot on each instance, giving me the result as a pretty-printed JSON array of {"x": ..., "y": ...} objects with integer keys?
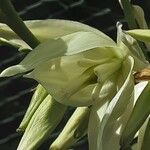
[
  {"x": 67, "y": 45},
  {"x": 50, "y": 28},
  {"x": 98, "y": 110},
  {"x": 110, "y": 123}
]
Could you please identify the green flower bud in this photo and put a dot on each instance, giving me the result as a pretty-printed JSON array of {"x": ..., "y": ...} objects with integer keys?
[
  {"x": 140, "y": 34},
  {"x": 37, "y": 98},
  {"x": 75, "y": 129},
  {"x": 42, "y": 123},
  {"x": 139, "y": 16}
]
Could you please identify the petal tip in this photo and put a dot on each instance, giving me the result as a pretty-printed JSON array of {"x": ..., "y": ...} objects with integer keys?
[{"x": 13, "y": 70}]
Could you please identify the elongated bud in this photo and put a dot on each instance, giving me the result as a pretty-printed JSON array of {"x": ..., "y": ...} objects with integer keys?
[
  {"x": 75, "y": 129},
  {"x": 139, "y": 16},
  {"x": 140, "y": 34},
  {"x": 137, "y": 118},
  {"x": 36, "y": 100},
  {"x": 42, "y": 123}
]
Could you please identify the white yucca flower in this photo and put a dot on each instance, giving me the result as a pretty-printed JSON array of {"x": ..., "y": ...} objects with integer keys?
[{"x": 81, "y": 66}]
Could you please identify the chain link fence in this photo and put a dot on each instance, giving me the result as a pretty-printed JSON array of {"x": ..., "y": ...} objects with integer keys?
[{"x": 16, "y": 92}]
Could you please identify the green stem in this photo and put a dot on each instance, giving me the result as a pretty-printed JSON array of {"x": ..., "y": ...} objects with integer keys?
[
  {"x": 16, "y": 24},
  {"x": 128, "y": 12}
]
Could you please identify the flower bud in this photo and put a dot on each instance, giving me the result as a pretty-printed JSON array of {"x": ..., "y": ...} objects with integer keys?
[
  {"x": 140, "y": 34},
  {"x": 42, "y": 123},
  {"x": 75, "y": 129},
  {"x": 37, "y": 98}
]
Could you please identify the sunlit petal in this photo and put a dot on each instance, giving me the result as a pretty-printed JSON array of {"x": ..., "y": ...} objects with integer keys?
[{"x": 50, "y": 28}]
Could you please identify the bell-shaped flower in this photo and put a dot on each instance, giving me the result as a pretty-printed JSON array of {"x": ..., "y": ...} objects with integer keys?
[
  {"x": 68, "y": 65},
  {"x": 74, "y": 60}
]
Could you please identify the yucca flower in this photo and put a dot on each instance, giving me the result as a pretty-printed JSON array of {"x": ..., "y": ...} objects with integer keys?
[
  {"x": 80, "y": 66},
  {"x": 71, "y": 64}
]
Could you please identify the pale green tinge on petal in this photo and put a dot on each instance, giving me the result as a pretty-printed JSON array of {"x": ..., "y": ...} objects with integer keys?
[
  {"x": 50, "y": 28},
  {"x": 70, "y": 43},
  {"x": 129, "y": 42},
  {"x": 45, "y": 51},
  {"x": 98, "y": 109},
  {"x": 118, "y": 110},
  {"x": 115, "y": 114},
  {"x": 131, "y": 46},
  {"x": 42, "y": 123},
  {"x": 71, "y": 79},
  {"x": 67, "y": 45},
  {"x": 104, "y": 71},
  {"x": 74, "y": 130},
  {"x": 82, "y": 41},
  {"x": 140, "y": 34},
  {"x": 63, "y": 79},
  {"x": 135, "y": 51},
  {"x": 139, "y": 114}
]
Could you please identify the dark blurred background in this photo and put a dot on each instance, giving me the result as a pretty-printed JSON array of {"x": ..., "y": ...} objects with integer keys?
[{"x": 16, "y": 92}]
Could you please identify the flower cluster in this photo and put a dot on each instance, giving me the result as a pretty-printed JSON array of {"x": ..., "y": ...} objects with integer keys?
[{"x": 77, "y": 65}]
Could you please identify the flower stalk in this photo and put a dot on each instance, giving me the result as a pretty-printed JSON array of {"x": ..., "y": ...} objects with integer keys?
[
  {"x": 12, "y": 19},
  {"x": 128, "y": 12}
]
